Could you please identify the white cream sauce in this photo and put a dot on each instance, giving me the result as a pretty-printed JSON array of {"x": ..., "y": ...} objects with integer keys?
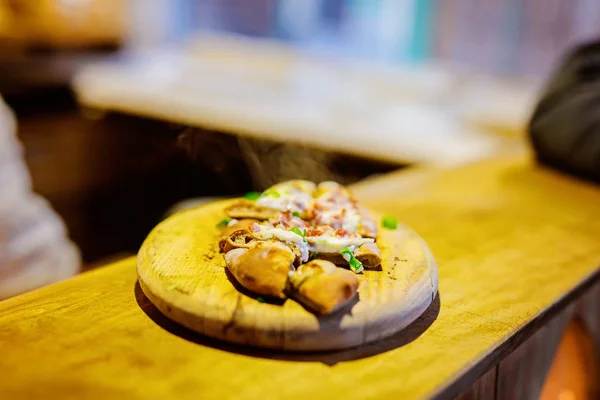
[
  {"x": 268, "y": 232},
  {"x": 335, "y": 244}
]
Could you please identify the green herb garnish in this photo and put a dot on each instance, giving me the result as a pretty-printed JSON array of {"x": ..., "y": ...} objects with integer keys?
[
  {"x": 261, "y": 299},
  {"x": 389, "y": 222},
  {"x": 300, "y": 233},
  {"x": 355, "y": 265},
  {"x": 347, "y": 253},
  {"x": 252, "y": 195},
  {"x": 296, "y": 214},
  {"x": 223, "y": 223},
  {"x": 271, "y": 193}
]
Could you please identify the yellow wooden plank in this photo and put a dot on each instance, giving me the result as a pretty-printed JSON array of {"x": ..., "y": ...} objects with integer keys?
[{"x": 510, "y": 239}]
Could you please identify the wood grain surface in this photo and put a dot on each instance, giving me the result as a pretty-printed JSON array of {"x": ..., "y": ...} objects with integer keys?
[
  {"x": 513, "y": 243},
  {"x": 522, "y": 374},
  {"x": 484, "y": 388},
  {"x": 181, "y": 271}
]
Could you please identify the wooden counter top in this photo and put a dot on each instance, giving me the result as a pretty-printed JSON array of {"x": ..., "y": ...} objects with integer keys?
[{"x": 513, "y": 243}]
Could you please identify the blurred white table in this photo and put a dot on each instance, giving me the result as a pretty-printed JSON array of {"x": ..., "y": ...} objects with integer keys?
[{"x": 267, "y": 90}]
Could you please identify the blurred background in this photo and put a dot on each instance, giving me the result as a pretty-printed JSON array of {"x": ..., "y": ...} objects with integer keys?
[
  {"x": 116, "y": 113},
  {"x": 125, "y": 108}
]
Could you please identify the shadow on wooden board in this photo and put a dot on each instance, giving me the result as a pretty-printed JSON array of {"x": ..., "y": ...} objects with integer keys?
[{"x": 402, "y": 338}]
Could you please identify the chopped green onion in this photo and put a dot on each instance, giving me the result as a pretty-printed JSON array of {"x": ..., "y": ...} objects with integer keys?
[
  {"x": 389, "y": 222},
  {"x": 260, "y": 299},
  {"x": 347, "y": 252},
  {"x": 271, "y": 193},
  {"x": 298, "y": 232},
  {"x": 223, "y": 223},
  {"x": 355, "y": 265},
  {"x": 252, "y": 195},
  {"x": 296, "y": 214}
]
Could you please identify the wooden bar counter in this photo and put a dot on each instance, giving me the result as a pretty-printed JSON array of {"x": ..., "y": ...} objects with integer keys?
[{"x": 518, "y": 248}]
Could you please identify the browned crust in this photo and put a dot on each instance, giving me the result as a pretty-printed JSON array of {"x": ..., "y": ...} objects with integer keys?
[
  {"x": 262, "y": 269},
  {"x": 368, "y": 254},
  {"x": 324, "y": 293},
  {"x": 244, "y": 238},
  {"x": 241, "y": 238},
  {"x": 249, "y": 209},
  {"x": 239, "y": 225}
]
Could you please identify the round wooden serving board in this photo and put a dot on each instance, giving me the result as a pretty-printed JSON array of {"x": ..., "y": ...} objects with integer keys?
[{"x": 182, "y": 273}]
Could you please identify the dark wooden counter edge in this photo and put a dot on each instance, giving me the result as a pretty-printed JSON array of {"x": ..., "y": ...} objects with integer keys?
[{"x": 469, "y": 375}]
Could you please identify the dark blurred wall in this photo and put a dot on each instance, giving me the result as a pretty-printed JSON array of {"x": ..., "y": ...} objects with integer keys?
[{"x": 110, "y": 179}]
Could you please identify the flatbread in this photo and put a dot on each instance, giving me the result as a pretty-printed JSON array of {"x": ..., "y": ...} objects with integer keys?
[{"x": 297, "y": 224}]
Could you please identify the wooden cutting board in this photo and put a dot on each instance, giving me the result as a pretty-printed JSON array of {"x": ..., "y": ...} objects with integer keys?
[{"x": 183, "y": 274}]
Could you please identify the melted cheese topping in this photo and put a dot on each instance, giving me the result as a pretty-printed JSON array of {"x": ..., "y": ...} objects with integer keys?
[
  {"x": 287, "y": 220},
  {"x": 335, "y": 244},
  {"x": 289, "y": 196},
  {"x": 348, "y": 219},
  {"x": 284, "y": 235},
  {"x": 232, "y": 222},
  {"x": 292, "y": 202},
  {"x": 326, "y": 242},
  {"x": 334, "y": 206},
  {"x": 333, "y": 218}
]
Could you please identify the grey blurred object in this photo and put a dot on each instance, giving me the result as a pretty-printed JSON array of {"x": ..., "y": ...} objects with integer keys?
[
  {"x": 267, "y": 162},
  {"x": 565, "y": 126},
  {"x": 235, "y": 160},
  {"x": 34, "y": 247},
  {"x": 523, "y": 38}
]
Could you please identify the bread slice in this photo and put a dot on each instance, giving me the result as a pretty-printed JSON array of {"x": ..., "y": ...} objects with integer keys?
[
  {"x": 322, "y": 287},
  {"x": 249, "y": 209},
  {"x": 368, "y": 254},
  {"x": 237, "y": 226},
  {"x": 263, "y": 269},
  {"x": 240, "y": 239}
]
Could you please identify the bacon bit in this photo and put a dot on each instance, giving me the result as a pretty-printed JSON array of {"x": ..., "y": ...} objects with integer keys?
[
  {"x": 341, "y": 232},
  {"x": 319, "y": 230},
  {"x": 314, "y": 232},
  {"x": 310, "y": 214},
  {"x": 285, "y": 216}
]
